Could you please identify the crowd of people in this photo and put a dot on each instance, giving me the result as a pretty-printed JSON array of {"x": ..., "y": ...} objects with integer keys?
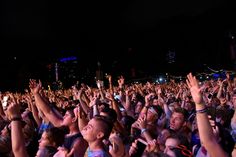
[{"x": 173, "y": 119}]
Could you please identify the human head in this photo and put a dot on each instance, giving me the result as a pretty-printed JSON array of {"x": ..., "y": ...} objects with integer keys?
[
  {"x": 98, "y": 128},
  {"x": 153, "y": 113},
  {"x": 53, "y": 137},
  {"x": 69, "y": 118},
  {"x": 116, "y": 147},
  {"x": 109, "y": 113},
  {"x": 138, "y": 107},
  {"x": 173, "y": 141},
  {"x": 178, "y": 119},
  {"x": 127, "y": 122},
  {"x": 180, "y": 151},
  {"x": 164, "y": 134}
]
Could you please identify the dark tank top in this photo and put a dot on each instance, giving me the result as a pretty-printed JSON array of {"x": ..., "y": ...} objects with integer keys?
[{"x": 69, "y": 140}]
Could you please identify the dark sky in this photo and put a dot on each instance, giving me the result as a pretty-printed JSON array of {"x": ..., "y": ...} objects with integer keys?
[{"x": 134, "y": 33}]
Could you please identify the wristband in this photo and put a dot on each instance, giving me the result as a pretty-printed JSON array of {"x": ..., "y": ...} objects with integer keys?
[
  {"x": 202, "y": 110},
  {"x": 200, "y": 104},
  {"x": 143, "y": 130}
]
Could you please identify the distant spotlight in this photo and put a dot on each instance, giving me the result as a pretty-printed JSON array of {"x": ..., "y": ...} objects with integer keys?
[
  {"x": 207, "y": 77},
  {"x": 14, "y": 58},
  {"x": 160, "y": 79},
  {"x": 71, "y": 58},
  {"x": 201, "y": 77}
]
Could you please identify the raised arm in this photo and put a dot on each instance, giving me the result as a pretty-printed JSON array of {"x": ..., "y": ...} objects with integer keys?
[
  {"x": 34, "y": 110},
  {"x": 205, "y": 130},
  {"x": 84, "y": 106},
  {"x": 17, "y": 137},
  {"x": 43, "y": 105}
]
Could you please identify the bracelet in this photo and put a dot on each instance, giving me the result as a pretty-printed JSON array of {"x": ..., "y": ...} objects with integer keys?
[
  {"x": 200, "y": 104},
  {"x": 202, "y": 110},
  {"x": 143, "y": 130},
  {"x": 16, "y": 119}
]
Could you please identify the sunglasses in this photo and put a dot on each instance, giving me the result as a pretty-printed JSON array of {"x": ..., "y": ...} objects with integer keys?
[{"x": 184, "y": 150}]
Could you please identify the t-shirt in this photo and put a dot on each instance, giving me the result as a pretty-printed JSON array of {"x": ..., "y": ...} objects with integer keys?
[{"x": 98, "y": 153}]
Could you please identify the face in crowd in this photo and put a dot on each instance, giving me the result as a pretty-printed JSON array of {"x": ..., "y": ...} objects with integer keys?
[
  {"x": 96, "y": 129},
  {"x": 69, "y": 118},
  {"x": 177, "y": 121},
  {"x": 169, "y": 144}
]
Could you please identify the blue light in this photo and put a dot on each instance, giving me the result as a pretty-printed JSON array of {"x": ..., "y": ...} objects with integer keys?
[
  {"x": 216, "y": 75},
  {"x": 72, "y": 58}
]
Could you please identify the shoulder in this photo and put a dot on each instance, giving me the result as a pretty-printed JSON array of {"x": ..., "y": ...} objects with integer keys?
[
  {"x": 79, "y": 141},
  {"x": 99, "y": 153}
]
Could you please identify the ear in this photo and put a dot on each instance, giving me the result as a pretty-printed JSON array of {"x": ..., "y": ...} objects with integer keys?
[
  {"x": 100, "y": 135},
  {"x": 74, "y": 119}
]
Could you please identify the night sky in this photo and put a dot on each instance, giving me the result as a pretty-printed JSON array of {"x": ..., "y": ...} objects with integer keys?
[{"x": 120, "y": 34}]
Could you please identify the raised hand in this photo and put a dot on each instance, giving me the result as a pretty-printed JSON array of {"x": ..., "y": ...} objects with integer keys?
[
  {"x": 195, "y": 90},
  {"x": 142, "y": 122},
  {"x": 34, "y": 86},
  {"x": 13, "y": 110},
  {"x": 152, "y": 146},
  {"x": 109, "y": 77},
  {"x": 117, "y": 148},
  {"x": 94, "y": 101}
]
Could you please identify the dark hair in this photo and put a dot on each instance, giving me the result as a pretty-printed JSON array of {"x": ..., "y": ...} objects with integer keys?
[
  {"x": 127, "y": 122},
  {"x": 71, "y": 110},
  {"x": 57, "y": 135},
  {"x": 158, "y": 109},
  {"x": 227, "y": 141},
  {"x": 171, "y": 100},
  {"x": 105, "y": 124},
  {"x": 111, "y": 113},
  {"x": 183, "y": 140},
  {"x": 182, "y": 111}
]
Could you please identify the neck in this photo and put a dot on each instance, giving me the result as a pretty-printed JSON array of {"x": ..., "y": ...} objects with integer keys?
[
  {"x": 73, "y": 129},
  {"x": 96, "y": 145}
]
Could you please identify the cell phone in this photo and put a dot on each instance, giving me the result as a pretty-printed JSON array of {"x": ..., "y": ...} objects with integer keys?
[
  {"x": 141, "y": 145},
  {"x": 212, "y": 113}
]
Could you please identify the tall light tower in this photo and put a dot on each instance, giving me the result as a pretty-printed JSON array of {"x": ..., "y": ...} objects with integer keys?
[{"x": 56, "y": 71}]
